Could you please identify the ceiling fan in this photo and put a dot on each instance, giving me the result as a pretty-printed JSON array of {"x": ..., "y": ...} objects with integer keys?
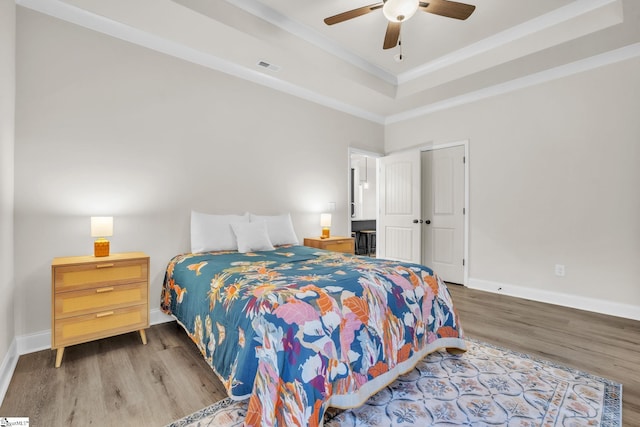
[{"x": 398, "y": 11}]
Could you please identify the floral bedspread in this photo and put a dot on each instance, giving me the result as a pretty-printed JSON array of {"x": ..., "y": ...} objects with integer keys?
[{"x": 299, "y": 329}]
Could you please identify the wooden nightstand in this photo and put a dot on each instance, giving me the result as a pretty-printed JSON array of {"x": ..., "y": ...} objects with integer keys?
[
  {"x": 335, "y": 243},
  {"x": 94, "y": 298}
]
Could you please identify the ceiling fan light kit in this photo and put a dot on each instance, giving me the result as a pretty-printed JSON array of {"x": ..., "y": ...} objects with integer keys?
[{"x": 398, "y": 11}]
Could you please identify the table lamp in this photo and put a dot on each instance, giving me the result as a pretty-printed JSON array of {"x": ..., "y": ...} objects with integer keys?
[
  {"x": 101, "y": 227},
  {"x": 325, "y": 223}
]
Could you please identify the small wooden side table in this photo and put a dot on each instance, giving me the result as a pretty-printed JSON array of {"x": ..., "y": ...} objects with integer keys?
[{"x": 94, "y": 298}]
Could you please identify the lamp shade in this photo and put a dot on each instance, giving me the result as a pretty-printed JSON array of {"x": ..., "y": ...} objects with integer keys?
[
  {"x": 325, "y": 220},
  {"x": 399, "y": 10},
  {"x": 101, "y": 226}
]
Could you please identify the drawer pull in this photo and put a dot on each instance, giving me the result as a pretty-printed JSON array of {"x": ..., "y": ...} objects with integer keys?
[
  {"x": 102, "y": 290},
  {"x": 104, "y": 265},
  {"x": 105, "y": 314}
]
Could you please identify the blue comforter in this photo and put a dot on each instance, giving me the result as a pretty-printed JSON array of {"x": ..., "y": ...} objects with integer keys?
[{"x": 299, "y": 329}]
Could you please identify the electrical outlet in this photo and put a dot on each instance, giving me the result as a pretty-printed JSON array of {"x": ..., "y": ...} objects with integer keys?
[{"x": 560, "y": 270}]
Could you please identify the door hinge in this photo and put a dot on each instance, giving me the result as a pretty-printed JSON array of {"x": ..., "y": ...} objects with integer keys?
[
  {"x": 464, "y": 211},
  {"x": 464, "y": 159},
  {"x": 463, "y": 262}
]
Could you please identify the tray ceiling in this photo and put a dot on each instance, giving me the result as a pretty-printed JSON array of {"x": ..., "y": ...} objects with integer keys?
[{"x": 503, "y": 43}]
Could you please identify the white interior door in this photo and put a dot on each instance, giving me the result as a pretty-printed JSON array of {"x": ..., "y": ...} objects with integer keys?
[
  {"x": 398, "y": 227},
  {"x": 443, "y": 212}
]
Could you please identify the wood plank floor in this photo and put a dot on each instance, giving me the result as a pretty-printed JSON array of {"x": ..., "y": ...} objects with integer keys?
[
  {"x": 119, "y": 382},
  {"x": 601, "y": 345}
]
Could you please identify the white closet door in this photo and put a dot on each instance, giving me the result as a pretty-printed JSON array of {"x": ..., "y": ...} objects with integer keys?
[{"x": 443, "y": 212}]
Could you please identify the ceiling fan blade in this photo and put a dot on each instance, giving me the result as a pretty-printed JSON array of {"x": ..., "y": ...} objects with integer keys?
[
  {"x": 345, "y": 16},
  {"x": 450, "y": 9},
  {"x": 392, "y": 36}
]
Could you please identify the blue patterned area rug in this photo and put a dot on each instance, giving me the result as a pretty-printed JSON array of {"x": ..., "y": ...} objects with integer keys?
[{"x": 487, "y": 385}]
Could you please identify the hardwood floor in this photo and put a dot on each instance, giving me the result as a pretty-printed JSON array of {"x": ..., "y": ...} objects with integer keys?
[
  {"x": 601, "y": 345},
  {"x": 119, "y": 382},
  {"x": 114, "y": 382}
]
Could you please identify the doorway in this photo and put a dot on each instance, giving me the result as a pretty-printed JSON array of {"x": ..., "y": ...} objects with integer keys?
[
  {"x": 423, "y": 216},
  {"x": 363, "y": 200}
]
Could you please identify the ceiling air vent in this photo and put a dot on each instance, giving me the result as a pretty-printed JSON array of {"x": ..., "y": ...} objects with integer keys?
[{"x": 272, "y": 67}]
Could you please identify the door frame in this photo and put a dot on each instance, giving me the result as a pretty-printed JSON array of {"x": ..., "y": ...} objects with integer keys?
[
  {"x": 465, "y": 143},
  {"x": 426, "y": 147}
]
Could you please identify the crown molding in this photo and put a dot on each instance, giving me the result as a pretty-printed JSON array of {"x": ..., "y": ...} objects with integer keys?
[
  {"x": 64, "y": 11},
  {"x": 75, "y": 15},
  {"x": 312, "y": 36},
  {"x": 536, "y": 25},
  {"x": 611, "y": 57}
]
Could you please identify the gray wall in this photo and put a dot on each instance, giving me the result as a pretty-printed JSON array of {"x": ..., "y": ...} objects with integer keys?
[
  {"x": 104, "y": 127},
  {"x": 553, "y": 180},
  {"x": 7, "y": 109}
]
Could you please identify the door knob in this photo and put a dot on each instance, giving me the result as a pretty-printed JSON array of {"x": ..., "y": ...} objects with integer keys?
[
  {"x": 428, "y": 221},
  {"x": 415, "y": 221}
]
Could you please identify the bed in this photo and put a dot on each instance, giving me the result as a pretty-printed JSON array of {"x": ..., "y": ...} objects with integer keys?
[{"x": 296, "y": 329}]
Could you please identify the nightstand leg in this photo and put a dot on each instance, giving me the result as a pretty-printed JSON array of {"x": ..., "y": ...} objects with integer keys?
[
  {"x": 143, "y": 336},
  {"x": 59, "y": 357}
]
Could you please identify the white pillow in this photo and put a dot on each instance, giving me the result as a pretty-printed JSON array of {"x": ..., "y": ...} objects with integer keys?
[
  {"x": 213, "y": 232},
  {"x": 279, "y": 227},
  {"x": 252, "y": 236}
]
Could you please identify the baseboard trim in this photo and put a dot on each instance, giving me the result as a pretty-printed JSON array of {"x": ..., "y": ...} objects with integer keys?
[
  {"x": 6, "y": 369},
  {"x": 157, "y": 317},
  {"x": 39, "y": 341},
  {"x": 610, "y": 308},
  {"x": 31, "y": 343}
]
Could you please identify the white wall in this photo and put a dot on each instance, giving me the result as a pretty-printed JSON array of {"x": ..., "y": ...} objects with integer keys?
[
  {"x": 7, "y": 109},
  {"x": 107, "y": 127},
  {"x": 554, "y": 180}
]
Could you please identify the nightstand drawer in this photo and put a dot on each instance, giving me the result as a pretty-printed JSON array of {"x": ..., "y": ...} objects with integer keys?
[
  {"x": 340, "y": 246},
  {"x": 93, "y": 274},
  {"x": 75, "y": 330},
  {"x": 99, "y": 299},
  {"x": 334, "y": 243}
]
